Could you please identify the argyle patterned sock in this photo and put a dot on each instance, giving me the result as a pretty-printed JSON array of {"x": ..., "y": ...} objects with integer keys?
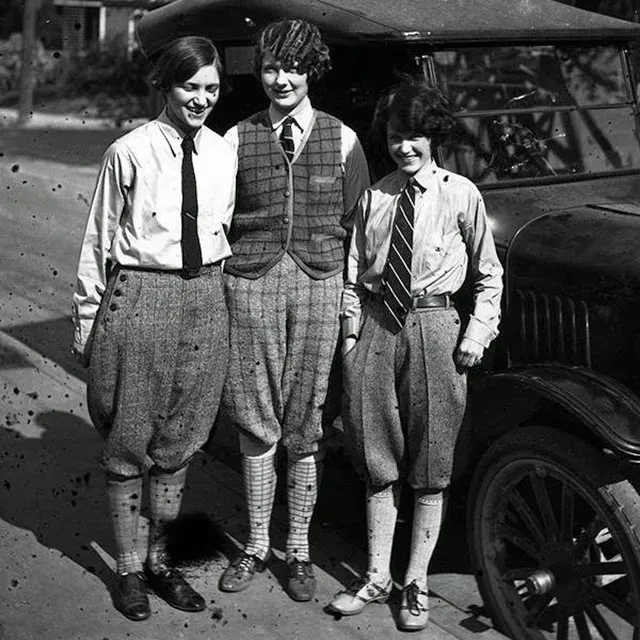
[
  {"x": 165, "y": 497},
  {"x": 303, "y": 478},
  {"x": 259, "y": 475},
  {"x": 125, "y": 497}
]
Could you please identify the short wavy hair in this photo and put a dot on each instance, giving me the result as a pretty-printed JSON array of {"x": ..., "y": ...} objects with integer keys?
[
  {"x": 418, "y": 108},
  {"x": 296, "y": 44},
  {"x": 181, "y": 59}
]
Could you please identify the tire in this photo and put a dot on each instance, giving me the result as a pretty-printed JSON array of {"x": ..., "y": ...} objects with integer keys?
[{"x": 553, "y": 535}]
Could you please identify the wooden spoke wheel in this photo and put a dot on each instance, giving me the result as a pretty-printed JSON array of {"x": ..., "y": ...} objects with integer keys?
[{"x": 554, "y": 530}]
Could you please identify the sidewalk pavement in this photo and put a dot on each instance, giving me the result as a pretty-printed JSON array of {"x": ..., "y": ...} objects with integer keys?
[
  {"x": 42, "y": 120},
  {"x": 57, "y": 564}
]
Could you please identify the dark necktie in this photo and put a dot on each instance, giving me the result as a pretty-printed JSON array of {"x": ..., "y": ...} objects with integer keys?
[
  {"x": 191, "y": 254},
  {"x": 396, "y": 291},
  {"x": 286, "y": 139}
]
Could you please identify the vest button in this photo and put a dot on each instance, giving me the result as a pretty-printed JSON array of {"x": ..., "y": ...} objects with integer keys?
[
  {"x": 113, "y": 306},
  {"x": 123, "y": 277},
  {"x": 285, "y": 219},
  {"x": 286, "y": 193}
]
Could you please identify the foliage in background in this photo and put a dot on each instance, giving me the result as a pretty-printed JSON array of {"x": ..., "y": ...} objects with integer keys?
[
  {"x": 47, "y": 67},
  {"x": 115, "y": 84},
  {"x": 102, "y": 83}
]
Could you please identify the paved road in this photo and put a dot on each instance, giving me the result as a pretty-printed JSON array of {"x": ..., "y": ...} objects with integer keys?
[{"x": 56, "y": 563}]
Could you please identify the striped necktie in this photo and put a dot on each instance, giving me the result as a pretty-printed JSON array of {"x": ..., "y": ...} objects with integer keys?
[
  {"x": 396, "y": 282},
  {"x": 190, "y": 244},
  {"x": 286, "y": 138}
]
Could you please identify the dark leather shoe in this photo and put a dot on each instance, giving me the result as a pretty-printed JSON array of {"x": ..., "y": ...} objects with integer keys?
[
  {"x": 301, "y": 584},
  {"x": 239, "y": 574},
  {"x": 130, "y": 596},
  {"x": 170, "y": 585}
]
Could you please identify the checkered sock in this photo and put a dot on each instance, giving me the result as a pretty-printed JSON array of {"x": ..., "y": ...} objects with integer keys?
[
  {"x": 165, "y": 497},
  {"x": 427, "y": 518},
  {"x": 259, "y": 473},
  {"x": 124, "y": 497},
  {"x": 303, "y": 478},
  {"x": 382, "y": 513}
]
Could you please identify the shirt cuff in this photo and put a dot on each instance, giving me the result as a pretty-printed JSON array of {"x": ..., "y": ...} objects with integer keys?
[
  {"x": 479, "y": 332},
  {"x": 350, "y": 327}
]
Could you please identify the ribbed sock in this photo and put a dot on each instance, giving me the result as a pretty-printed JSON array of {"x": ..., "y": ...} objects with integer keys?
[
  {"x": 427, "y": 520},
  {"x": 125, "y": 497},
  {"x": 382, "y": 514}
]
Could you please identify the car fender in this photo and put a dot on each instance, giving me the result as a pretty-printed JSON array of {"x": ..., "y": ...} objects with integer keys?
[{"x": 572, "y": 398}]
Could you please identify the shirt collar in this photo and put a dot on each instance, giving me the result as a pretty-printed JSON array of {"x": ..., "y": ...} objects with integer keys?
[
  {"x": 302, "y": 115},
  {"x": 175, "y": 136},
  {"x": 426, "y": 175}
]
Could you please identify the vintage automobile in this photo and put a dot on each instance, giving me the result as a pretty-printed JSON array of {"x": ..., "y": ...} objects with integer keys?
[{"x": 548, "y": 113}]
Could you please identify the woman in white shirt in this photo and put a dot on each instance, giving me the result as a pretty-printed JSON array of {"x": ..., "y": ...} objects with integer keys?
[{"x": 150, "y": 315}]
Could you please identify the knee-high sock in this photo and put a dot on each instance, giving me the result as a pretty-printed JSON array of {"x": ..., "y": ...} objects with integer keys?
[
  {"x": 427, "y": 519},
  {"x": 382, "y": 513},
  {"x": 124, "y": 497},
  {"x": 259, "y": 473},
  {"x": 165, "y": 497},
  {"x": 303, "y": 478}
]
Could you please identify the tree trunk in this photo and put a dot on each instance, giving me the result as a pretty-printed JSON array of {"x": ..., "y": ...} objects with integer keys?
[{"x": 27, "y": 70}]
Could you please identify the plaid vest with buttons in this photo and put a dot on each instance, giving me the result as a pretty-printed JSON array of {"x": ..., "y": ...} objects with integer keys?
[{"x": 292, "y": 208}]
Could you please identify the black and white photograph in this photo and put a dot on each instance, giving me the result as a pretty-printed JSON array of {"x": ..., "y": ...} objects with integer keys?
[{"x": 319, "y": 319}]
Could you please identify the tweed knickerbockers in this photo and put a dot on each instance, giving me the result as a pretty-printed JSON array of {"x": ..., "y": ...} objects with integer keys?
[
  {"x": 283, "y": 336},
  {"x": 405, "y": 400},
  {"x": 157, "y": 367}
]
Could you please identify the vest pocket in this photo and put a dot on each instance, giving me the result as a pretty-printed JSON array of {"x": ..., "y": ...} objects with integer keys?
[{"x": 322, "y": 183}]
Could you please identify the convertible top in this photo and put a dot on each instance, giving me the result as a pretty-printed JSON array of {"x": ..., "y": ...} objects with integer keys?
[{"x": 426, "y": 21}]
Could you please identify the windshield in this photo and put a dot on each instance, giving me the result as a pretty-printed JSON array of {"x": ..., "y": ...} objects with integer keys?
[{"x": 531, "y": 112}]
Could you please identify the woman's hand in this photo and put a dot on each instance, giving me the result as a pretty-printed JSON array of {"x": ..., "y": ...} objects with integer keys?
[{"x": 469, "y": 353}]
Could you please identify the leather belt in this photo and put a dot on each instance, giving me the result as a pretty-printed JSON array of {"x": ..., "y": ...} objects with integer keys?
[
  {"x": 423, "y": 302},
  {"x": 183, "y": 273}
]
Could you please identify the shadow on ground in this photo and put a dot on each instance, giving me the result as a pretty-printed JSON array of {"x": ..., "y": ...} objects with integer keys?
[{"x": 81, "y": 147}]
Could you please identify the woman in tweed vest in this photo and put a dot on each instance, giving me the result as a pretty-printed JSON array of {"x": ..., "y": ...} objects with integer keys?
[{"x": 300, "y": 173}]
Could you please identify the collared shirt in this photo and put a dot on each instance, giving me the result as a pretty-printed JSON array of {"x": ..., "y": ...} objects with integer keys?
[
  {"x": 450, "y": 228},
  {"x": 135, "y": 214},
  {"x": 354, "y": 162}
]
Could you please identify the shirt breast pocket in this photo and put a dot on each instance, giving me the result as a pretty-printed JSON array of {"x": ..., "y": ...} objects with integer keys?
[{"x": 162, "y": 212}]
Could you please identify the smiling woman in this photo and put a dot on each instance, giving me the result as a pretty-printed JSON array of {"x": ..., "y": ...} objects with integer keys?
[
  {"x": 188, "y": 75},
  {"x": 150, "y": 314}
]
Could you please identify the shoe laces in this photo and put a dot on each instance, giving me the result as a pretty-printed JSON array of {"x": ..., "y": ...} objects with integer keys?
[
  {"x": 364, "y": 582},
  {"x": 412, "y": 591},
  {"x": 301, "y": 570}
]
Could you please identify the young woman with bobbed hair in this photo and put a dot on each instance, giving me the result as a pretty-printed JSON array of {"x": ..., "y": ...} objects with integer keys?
[
  {"x": 300, "y": 174},
  {"x": 405, "y": 350},
  {"x": 150, "y": 314}
]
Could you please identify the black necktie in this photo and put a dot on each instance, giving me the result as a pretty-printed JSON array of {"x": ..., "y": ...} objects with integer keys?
[
  {"x": 396, "y": 292},
  {"x": 286, "y": 139},
  {"x": 191, "y": 254}
]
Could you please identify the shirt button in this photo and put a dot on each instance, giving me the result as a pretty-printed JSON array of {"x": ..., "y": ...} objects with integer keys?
[
  {"x": 123, "y": 277},
  {"x": 113, "y": 306},
  {"x": 117, "y": 293}
]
